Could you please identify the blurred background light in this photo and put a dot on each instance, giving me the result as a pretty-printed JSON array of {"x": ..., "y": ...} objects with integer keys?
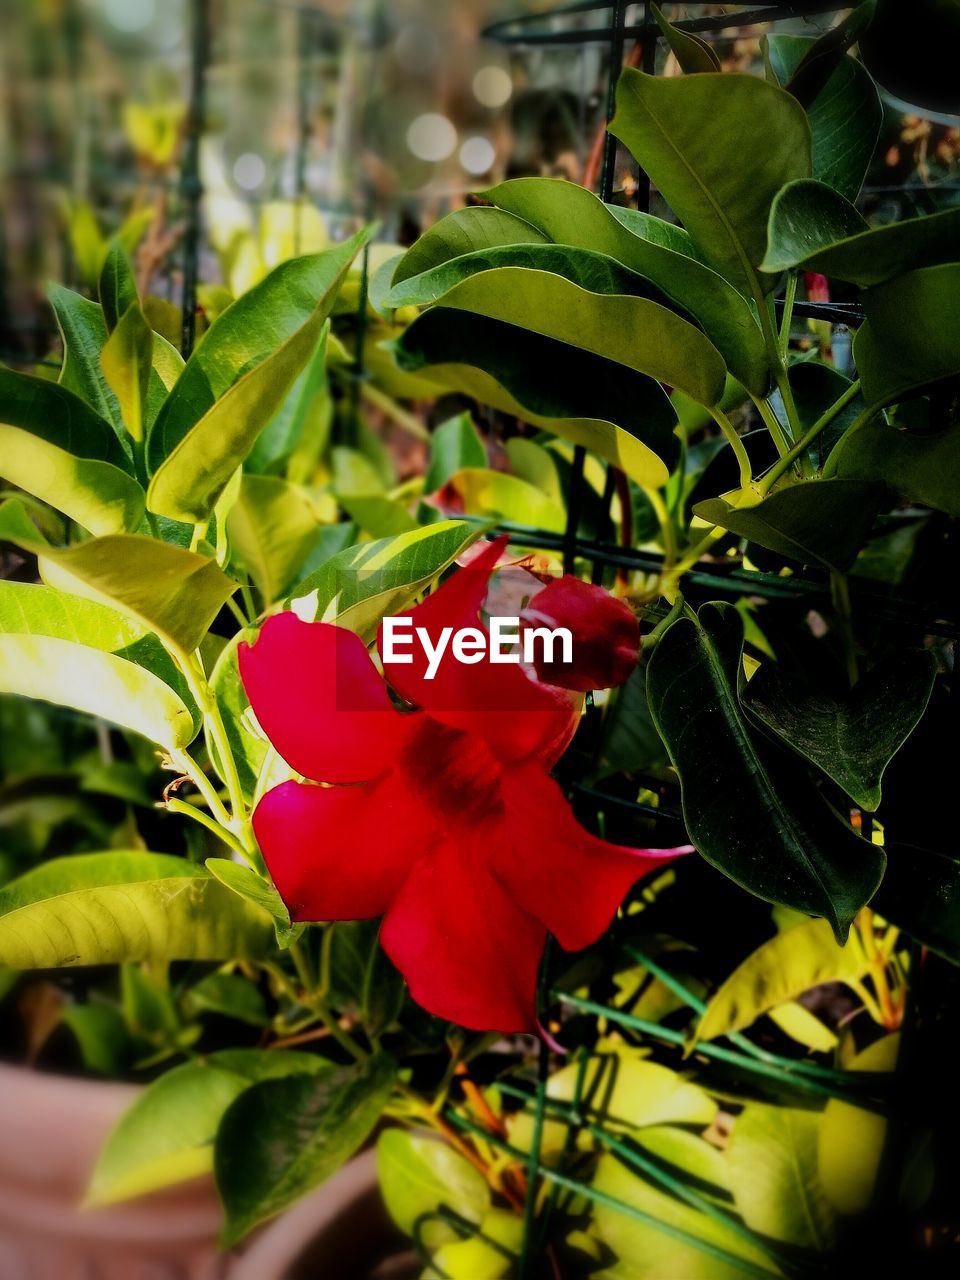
[
  {"x": 477, "y": 155},
  {"x": 249, "y": 171},
  {"x": 130, "y": 15},
  {"x": 492, "y": 86},
  {"x": 432, "y": 137}
]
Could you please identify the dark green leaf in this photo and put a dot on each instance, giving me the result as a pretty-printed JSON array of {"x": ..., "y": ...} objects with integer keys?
[
  {"x": 281, "y": 1138},
  {"x": 921, "y": 893},
  {"x": 84, "y": 333},
  {"x": 920, "y": 466},
  {"x": 911, "y": 337},
  {"x": 814, "y": 228},
  {"x": 55, "y": 447},
  {"x": 816, "y": 387},
  {"x": 303, "y": 419},
  {"x": 750, "y": 812},
  {"x": 228, "y": 994},
  {"x": 692, "y": 53},
  {"x": 362, "y": 978},
  {"x": 822, "y": 521},
  {"x": 106, "y": 908},
  {"x": 246, "y": 334},
  {"x": 117, "y": 287},
  {"x": 842, "y": 105},
  {"x": 689, "y": 135},
  {"x": 617, "y": 413},
  {"x": 630, "y": 739},
  {"x": 851, "y": 738}
]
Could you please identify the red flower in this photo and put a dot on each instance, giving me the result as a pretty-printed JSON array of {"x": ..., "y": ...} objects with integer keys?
[
  {"x": 606, "y": 635},
  {"x": 817, "y": 286},
  {"x": 443, "y": 820}
]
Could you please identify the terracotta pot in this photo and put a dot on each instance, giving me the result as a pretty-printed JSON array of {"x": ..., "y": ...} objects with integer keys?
[{"x": 51, "y": 1132}]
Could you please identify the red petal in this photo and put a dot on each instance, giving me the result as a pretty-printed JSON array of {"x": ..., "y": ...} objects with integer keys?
[
  {"x": 340, "y": 853},
  {"x": 571, "y": 881},
  {"x": 518, "y": 717},
  {"x": 468, "y": 953},
  {"x": 606, "y": 635},
  {"x": 320, "y": 700}
]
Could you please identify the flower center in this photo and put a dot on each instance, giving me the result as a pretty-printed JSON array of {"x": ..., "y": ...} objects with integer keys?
[{"x": 455, "y": 772}]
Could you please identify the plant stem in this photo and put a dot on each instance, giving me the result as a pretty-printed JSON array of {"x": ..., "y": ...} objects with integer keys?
[
  {"x": 218, "y": 829},
  {"x": 237, "y": 612},
  {"x": 786, "y": 320},
  {"x": 766, "y": 482},
  {"x": 772, "y": 423},
  {"x": 736, "y": 444},
  {"x": 840, "y": 591},
  {"x": 197, "y": 681},
  {"x": 666, "y": 527},
  {"x": 869, "y": 413},
  {"x": 188, "y": 766}
]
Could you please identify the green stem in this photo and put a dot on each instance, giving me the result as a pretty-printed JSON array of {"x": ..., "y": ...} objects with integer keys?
[
  {"x": 772, "y": 423},
  {"x": 188, "y": 766},
  {"x": 840, "y": 591},
  {"x": 786, "y": 319},
  {"x": 735, "y": 443},
  {"x": 197, "y": 682},
  {"x": 861, "y": 420},
  {"x": 766, "y": 482},
  {"x": 667, "y": 532},
  {"x": 220, "y": 831},
  {"x": 652, "y": 638},
  {"x": 395, "y": 412},
  {"x": 238, "y": 613}
]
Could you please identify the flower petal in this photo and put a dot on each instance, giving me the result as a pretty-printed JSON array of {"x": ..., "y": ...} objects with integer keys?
[
  {"x": 570, "y": 880},
  {"x": 605, "y": 633},
  {"x": 468, "y": 953},
  {"x": 320, "y": 700},
  {"x": 340, "y": 853},
  {"x": 518, "y": 717}
]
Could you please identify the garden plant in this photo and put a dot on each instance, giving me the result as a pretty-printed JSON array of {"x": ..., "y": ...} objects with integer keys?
[{"x": 641, "y": 965}]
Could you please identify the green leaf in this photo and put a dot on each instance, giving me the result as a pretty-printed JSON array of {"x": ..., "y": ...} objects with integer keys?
[
  {"x": 418, "y": 1174},
  {"x": 282, "y": 1138},
  {"x": 774, "y": 1176},
  {"x": 635, "y": 332},
  {"x": 105, "y": 908},
  {"x": 852, "y": 738},
  {"x": 815, "y": 229},
  {"x": 462, "y": 231},
  {"x": 788, "y": 964},
  {"x": 117, "y": 287},
  {"x": 245, "y": 882},
  {"x": 188, "y": 482},
  {"x": 303, "y": 420},
  {"x": 646, "y": 1248},
  {"x": 485, "y": 492},
  {"x": 360, "y": 585},
  {"x": 852, "y": 1139},
  {"x": 688, "y": 134},
  {"x": 477, "y": 1258},
  {"x": 249, "y": 331},
  {"x": 248, "y": 748},
  {"x": 921, "y": 894},
  {"x": 378, "y": 515},
  {"x": 920, "y": 466},
  {"x": 630, "y": 740},
  {"x": 84, "y": 333},
  {"x": 174, "y": 592},
  {"x": 820, "y": 521},
  {"x": 272, "y": 526},
  {"x": 106, "y": 645},
  {"x": 362, "y": 978},
  {"x": 911, "y": 337},
  {"x": 842, "y": 103},
  {"x": 105, "y": 1044},
  {"x": 619, "y": 414},
  {"x": 751, "y": 814},
  {"x": 167, "y": 1135},
  {"x": 229, "y": 994},
  {"x": 816, "y": 387},
  {"x": 55, "y": 447},
  {"x": 127, "y": 363},
  {"x": 691, "y": 52},
  {"x": 454, "y": 444}
]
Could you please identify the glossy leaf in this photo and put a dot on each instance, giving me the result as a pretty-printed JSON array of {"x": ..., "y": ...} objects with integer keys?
[
  {"x": 272, "y": 526},
  {"x": 921, "y": 466},
  {"x": 245, "y": 882},
  {"x": 691, "y": 52},
  {"x": 635, "y": 332},
  {"x": 775, "y": 1179},
  {"x": 749, "y": 812},
  {"x": 55, "y": 447},
  {"x": 127, "y": 363},
  {"x": 611, "y": 410},
  {"x": 84, "y": 333},
  {"x": 821, "y": 521},
  {"x": 418, "y": 1174},
  {"x": 255, "y": 326},
  {"x": 483, "y": 492},
  {"x": 106, "y": 908},
  {"x": 360, "y": 585},
  {"x": 911, "y": 337},
  {"x": 464, "y": 230},
  {"x": 282, "y": 1138},
  {"x": 842, "y": 103},
  {"x": 248, "y": 748},
  {"x": 688, "y": 134},
  {"x": 851, "y": 738},
  {"x": 117, "y": 288},
  {"x": 303, "y": 420},
  {"x": 816, "y": 229},
  {"x": 788, "y": 964},
  {"x": 454, "y": 444},
  {"x": 167, "y": 1135}
]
